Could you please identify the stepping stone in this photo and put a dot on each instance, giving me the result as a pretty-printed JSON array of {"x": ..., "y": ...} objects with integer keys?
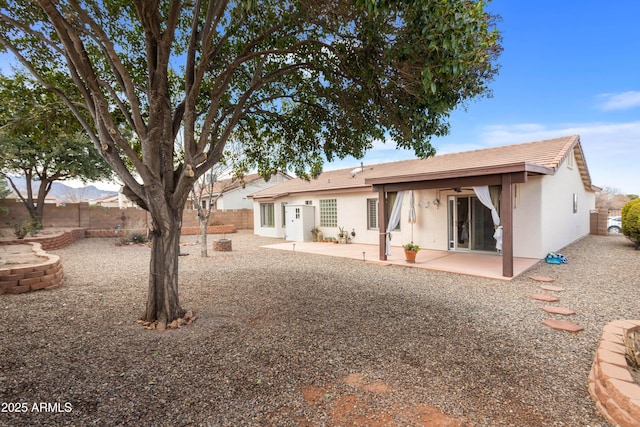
[
  {"x": 561, "y": 325},
  {"x": 557, "y": 310},
  {"x": 551, "y": 288},
  {"x": 542, "y": 278},
  {"x": 543, "y": 297}
]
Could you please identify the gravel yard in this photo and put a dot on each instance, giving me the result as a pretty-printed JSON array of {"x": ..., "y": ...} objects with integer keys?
[{"x": 294, "y": 339}]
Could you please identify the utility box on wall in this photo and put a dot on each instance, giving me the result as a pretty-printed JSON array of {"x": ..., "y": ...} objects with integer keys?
[{"x": 299, "y": 221}]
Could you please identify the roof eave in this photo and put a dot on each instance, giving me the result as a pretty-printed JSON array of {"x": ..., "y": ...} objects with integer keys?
[{"x": 467, "y": 172}]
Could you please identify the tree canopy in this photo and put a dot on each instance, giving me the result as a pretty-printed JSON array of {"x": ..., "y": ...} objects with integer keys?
[
  {"x": 297, "y": 82},
  {"x": 42, "y": 141}
]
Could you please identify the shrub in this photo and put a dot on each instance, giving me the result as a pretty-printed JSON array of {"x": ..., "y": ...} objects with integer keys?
[
  {"x": 22, "y": 228},
  {"x": 631, "y": 221},
  {"x": 137, "y": 237},
  {"x": 135, "y": 233},
  {"x": 26, "y": 226},
  {"x": 36, "y": 225}
]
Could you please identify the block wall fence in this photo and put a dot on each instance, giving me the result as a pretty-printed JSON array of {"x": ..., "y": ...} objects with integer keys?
[{"x": 82, "y": 215}]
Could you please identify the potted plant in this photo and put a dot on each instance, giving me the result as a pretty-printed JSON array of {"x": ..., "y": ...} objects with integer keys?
[
  {"x": 410, "y": 252},
  {"x": 317, "y": 235},
  {"x": 343, "y": 236}
]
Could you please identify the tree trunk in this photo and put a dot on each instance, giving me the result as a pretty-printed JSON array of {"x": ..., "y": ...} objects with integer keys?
[
  {"x": 163, "y": 304},
  {"x": 203, "y": 242}
]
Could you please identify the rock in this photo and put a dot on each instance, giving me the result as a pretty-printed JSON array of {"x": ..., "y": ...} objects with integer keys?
[
  {"x": 558, "y": 310},
  {"x": 561, "y": 325},
  {"x": 173, "y": 325},
  {"x": 161, "y": 326},
  {"x": 542, "y": 279},
  {"x": 542, "y": 297},
  {"x": 551, "y": 288}
]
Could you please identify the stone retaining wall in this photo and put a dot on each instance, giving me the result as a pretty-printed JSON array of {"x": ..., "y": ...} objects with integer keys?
[
  {"x": 62, "y": 239},
  {"x": 22, "y": 278},
  {"x": 611, "y": 386},
  {"x": 185, "y": 231},
  {"x": 50, "y": 275},
  {"x": 212, "y": 229},
  {"x": 57, "y": 240}
]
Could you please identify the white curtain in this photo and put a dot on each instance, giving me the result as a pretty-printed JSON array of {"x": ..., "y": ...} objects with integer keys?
[
  {"x": 498, "y": 236},
  {"x": 484, "y": 195},
  {"x": 394, "y": 219}
]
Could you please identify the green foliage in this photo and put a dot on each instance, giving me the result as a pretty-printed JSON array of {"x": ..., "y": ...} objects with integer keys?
[
  {"x": 21, "y": 228},
  {"x": 4, "y": 192},
  {"x": 298, "y": 82},
  {"x": 26, "y": 226},
  {"x": 137, "y": 237},
  {"x": 133, "y": 234},
  {"x": 631, "y": 221},
  {"x": 163, "y": 86},
  {"x": 40, "y": 136},
  {"x": 411, "y": 247},
  {"x": 41, "y": 140}
]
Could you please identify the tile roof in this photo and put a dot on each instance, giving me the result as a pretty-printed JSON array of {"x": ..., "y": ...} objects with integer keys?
[{"x": 539, "y": 157}]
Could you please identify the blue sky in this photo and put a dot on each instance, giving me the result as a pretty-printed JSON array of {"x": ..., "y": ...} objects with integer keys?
[{"x": 568, "y": 67}]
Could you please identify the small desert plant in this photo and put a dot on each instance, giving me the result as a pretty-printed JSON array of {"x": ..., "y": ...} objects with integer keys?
[
  {"x": 22, "y": 228},
  {"x": 631, "y": 221},
  {"x": 631, "y": 338},
  {"x": 137, "y": 237},
  {"x": 134, "y": 234},
  {"x": 36, "y": 225}
]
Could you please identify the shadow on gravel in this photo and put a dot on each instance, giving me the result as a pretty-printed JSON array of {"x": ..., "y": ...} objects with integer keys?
[{"x": 288, "y": 339}]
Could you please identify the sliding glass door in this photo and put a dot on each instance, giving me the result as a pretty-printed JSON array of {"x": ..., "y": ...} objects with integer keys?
[{"x": 470, "y": 224}]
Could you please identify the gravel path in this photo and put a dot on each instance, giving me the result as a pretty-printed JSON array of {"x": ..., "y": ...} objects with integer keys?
[{"x": 293, "y": 339}]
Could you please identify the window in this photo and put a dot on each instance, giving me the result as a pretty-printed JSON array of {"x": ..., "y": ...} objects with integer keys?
[
  {"x": 267, "y": 215},
  {"x": 571, "y": 160},
  {"x": 328, "y": 213},
  {"x": 372, "y": 214},
  {"x": 204, "y": 204},
  {"x": 284, "y": 214},
  {"x": 308, "y": 202}
]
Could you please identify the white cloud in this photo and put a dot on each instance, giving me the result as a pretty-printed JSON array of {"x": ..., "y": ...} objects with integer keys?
[
  {"x": 611, "y": 149},
  {"x": 620, "y": 101}
]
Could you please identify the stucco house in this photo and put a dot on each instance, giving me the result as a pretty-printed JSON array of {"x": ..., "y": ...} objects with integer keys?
[
  {"x": 233, "y": 193},
  {"x": 521, "y": 200}
]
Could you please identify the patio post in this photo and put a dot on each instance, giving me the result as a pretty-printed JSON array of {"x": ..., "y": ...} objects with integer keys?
[
  {"x": 506, "y": 219},
  {"x": 382, "y": 222}
]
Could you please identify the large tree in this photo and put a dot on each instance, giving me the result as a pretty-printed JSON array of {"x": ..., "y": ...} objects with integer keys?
[
  {"x": 43, "y": 142},
  {"x": 297, "y": 82}
]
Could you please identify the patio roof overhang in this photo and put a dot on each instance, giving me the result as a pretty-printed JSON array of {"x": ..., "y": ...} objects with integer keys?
[
  {"x": 486, "y": 175},
  {"x": 504, "y": 175}
]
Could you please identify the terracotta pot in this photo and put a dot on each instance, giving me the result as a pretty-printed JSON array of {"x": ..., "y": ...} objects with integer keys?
[{"x": 410, "y": 256}]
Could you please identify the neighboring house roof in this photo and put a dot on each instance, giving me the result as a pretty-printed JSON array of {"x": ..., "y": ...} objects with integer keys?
[
  {"x": 534, "y": 158},
  {"x": 225, "y": 185}
]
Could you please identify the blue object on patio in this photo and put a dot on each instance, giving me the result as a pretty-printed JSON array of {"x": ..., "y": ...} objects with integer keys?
[{"x": 554, "y": 258}]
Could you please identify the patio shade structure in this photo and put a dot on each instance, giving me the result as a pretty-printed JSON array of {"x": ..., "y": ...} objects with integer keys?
[{"x": 505, "y": 176}]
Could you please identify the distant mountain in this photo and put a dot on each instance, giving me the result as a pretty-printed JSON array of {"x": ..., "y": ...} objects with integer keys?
[{"x": 65, "y": 193}]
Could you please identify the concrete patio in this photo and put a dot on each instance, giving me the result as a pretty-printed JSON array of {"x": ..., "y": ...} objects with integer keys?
[{"x": 472, "y": 264}]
